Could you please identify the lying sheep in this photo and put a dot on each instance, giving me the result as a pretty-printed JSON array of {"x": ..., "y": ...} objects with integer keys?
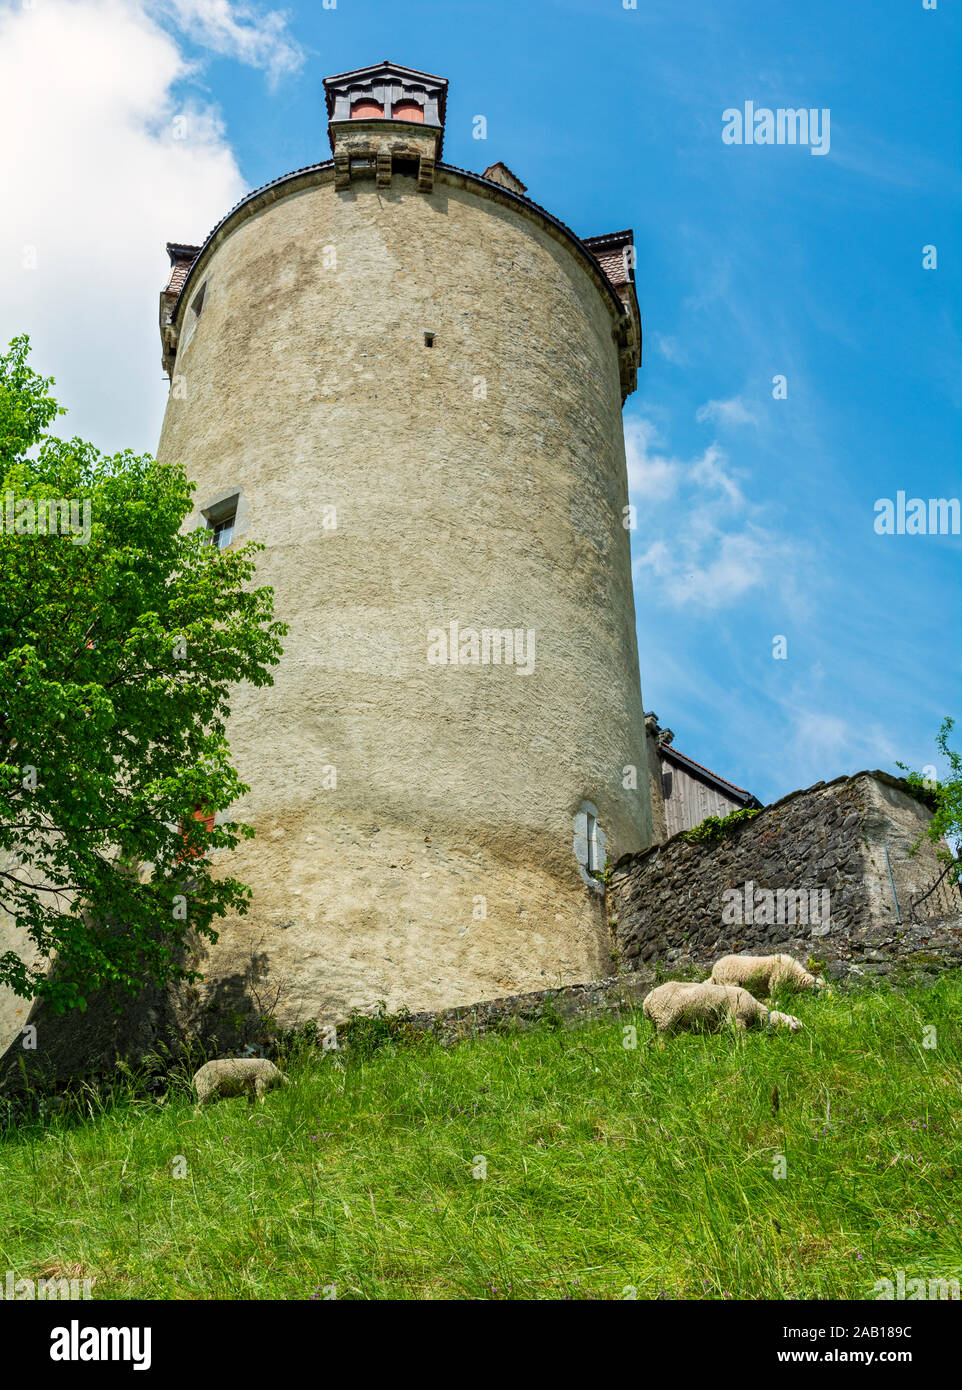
[
  {"x": 764, "y": 974},
  {"x": 237, "y": 1076},
  {"x": 682, "y": 1004}
]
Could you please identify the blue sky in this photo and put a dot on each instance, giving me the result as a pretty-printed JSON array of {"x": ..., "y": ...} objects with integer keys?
[{"x": 755, "y": 515}]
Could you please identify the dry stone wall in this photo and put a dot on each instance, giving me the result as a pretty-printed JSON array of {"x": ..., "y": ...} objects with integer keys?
[{"x": 826, "y": 874}]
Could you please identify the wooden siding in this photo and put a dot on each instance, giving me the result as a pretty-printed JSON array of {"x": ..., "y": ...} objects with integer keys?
[{"x": 688, "y": 801}]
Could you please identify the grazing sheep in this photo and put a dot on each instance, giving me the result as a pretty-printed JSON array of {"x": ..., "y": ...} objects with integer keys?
[
  {"x": 683, "y": 1004},
  {"x": 763, "y": 974},
  {"x": 237, "y": 1076}
]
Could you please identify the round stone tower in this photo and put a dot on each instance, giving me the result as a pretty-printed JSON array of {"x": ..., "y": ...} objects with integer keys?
[{"x": 406, "y": 381}]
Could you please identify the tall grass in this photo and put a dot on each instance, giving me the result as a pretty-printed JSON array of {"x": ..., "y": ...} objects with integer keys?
[{"x": 609, "y": 1171}]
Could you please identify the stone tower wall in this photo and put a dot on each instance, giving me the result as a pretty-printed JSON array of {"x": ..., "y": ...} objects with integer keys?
[{"x": 306, "y": 383}]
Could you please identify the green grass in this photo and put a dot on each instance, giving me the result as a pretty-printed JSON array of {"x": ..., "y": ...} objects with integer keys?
[{"x": 607, "y": 1169}]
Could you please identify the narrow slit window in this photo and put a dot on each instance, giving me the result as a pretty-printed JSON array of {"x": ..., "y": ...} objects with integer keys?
[
  {"x": 193, "y": 315},
  {"x": 594, "y": 856},
  {"x": 429, "y": 340}
]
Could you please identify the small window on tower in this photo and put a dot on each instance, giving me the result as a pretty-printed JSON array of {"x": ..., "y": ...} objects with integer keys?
[
  {"x": 193, "y": 314},
  {"x": 366, "y": 108},
  {"x": 221, "y": 521},
  {"x": 590, "y": 845},
  {"x": 223, "y": 531}
]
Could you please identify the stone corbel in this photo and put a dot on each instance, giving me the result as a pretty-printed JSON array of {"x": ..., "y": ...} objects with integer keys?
[{"x": 342, "y": 170}]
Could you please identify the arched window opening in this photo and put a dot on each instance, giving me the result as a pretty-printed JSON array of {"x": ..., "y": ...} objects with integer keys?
[
  {"x": 407, "y": 111},
  {"x": 365, "y": 108}
]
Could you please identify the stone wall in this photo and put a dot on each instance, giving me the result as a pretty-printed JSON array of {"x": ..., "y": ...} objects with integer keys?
[
  {"x": 824, "y": 874},
  {"x": 567, "y": 1005}
]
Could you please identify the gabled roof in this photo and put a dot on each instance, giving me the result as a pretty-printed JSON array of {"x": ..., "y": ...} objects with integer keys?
[
  {"x": 704, "y": 774},
  {"x": 500, "y": 173}
]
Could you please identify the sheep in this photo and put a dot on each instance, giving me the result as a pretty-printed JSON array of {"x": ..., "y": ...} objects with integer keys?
[
  {"x": 684, "y": 1004},
  {"x": 237, "y": 1076},
  {"x": 764, "y": 974}
]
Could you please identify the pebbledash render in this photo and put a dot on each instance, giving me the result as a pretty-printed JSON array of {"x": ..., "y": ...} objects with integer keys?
[{"x": 406, "y": 381}]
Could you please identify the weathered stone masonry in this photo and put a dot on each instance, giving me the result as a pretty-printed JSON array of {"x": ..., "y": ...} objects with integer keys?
[{"x": 667, "y": 904}]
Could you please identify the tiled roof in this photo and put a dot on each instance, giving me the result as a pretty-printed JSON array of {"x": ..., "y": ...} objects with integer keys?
[
  {"x": 608, "y": 251},
  {"x": 181, "y": 259}
]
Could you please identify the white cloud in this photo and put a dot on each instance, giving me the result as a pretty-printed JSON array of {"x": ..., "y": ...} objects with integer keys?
[
  {"x": 707, "y": 566},
  {"x": 726, "y": 413},
  {"x": 95, "y": 182},
  {"x": 831, "y": 743},
  {"x": 238, "y": 31},
  {"x": 708, "y": 546},
  {"x": 651, "y": 475},
  {"x": 709, "y": 472}
]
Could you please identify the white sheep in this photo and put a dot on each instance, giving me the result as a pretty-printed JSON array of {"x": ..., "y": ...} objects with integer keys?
[
  {"x": 237, "y": 1076},
  {"x": 764, "y": 974},
  {"x": 684, "y": 1004}
]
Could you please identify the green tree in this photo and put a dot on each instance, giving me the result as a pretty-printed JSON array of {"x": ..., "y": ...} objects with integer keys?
[
  {"x": 119, "y": 646},
  {"x": 945, "y": 799}
]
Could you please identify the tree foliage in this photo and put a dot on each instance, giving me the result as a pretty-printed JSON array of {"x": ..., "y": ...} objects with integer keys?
[
  {"x": 117, "y": 659},
  {"x": 944, "y": 797}
]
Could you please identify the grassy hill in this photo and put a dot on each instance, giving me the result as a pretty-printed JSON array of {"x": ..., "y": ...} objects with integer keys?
[{"x": 608, "y": 1169}]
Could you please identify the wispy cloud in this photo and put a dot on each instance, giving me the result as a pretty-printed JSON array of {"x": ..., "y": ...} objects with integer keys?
[
  {"x": 670, "y": 349},
  {"x": 711, "y": 544},
  {"x": 726, "y": 413},
  {"x": 259, "y": 38},
  {"x": 651, "y": 475},
  {"x": 711, "y": 567}
]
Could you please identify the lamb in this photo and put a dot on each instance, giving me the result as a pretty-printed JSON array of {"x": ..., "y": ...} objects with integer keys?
[
  {"x": 237, "y": 1076},
  {"x": 683, "y": 1004},
  {"x": 764, "y": 974}
]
